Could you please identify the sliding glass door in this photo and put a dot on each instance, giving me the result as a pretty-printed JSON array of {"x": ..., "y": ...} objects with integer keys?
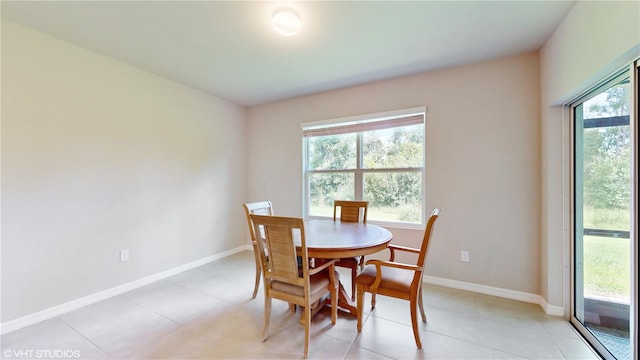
[{"x": 602, "y": 248}]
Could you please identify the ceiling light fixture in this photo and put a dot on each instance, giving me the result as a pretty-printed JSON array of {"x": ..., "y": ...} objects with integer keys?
[{"x": 286, "y": 21}]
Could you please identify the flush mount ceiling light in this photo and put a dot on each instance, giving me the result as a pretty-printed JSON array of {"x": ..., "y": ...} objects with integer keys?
[{"x": 286, "y": 21}]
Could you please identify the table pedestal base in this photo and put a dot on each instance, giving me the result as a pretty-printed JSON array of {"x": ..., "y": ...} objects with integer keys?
[{"x": 345, "y": 304}]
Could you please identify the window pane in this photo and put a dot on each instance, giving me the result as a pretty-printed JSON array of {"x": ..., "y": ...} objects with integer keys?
[
  {"x": 325, "y": 187},
  {"x": 393, "y": 148},
  {"x": 394, "y": 196},
  {"x": 333, "y": 152}
]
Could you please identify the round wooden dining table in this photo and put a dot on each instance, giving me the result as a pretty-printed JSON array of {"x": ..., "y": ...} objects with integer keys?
[{"x": 328, "y": 239}]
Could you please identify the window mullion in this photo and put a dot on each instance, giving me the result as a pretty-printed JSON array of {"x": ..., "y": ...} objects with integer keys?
[
  {"x": 358, "y": 178},
  {"x": 306, "y": 206},
  {"x": 392, "y": 170}
]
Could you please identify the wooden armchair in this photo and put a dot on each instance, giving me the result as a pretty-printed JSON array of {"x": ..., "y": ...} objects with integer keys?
[
  {"x": 350, "y": 211},
  {"x": 284, "y": 278},
  {"x": 261, "y": 208},
  {"x": 398, "y": 280}
]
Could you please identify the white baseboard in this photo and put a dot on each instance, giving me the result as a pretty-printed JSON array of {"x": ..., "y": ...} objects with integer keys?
[
  {"x": 552, "y": 309},
  {"x": 494, "y": 291},
  {"x": 58, "y": 310}
]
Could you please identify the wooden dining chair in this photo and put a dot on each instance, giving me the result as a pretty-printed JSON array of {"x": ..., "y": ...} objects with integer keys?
[
  {"x": 261, "y": 208},
  {"x": 284, "y": 278},
  {"x": 351, "y": 211},
  {"x": 398, "y": 280}
]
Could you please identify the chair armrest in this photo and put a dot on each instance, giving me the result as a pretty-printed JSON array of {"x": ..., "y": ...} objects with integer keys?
[
  {"x": 392, "y": 249},
  {"x": 379, "y": 263},
  {"x": 316, "y": 270}
]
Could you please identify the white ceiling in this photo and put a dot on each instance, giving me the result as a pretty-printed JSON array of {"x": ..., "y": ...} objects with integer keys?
[{"x": 229, "y": 49}]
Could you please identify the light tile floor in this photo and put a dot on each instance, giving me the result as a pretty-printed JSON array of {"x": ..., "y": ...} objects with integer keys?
[{"x": 207, "y": 313}]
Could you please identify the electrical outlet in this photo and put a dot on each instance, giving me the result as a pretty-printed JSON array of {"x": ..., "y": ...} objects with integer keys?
[
  {"x": 124, "y": 255},
  {"x": 464, "y": 256}
]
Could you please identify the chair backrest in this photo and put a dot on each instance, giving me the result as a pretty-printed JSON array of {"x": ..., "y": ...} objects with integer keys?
[
  {"x": 261, "y": 208},
  {"x": 279, "y": 235},
  {"x": 426, "y": 240},
  {"x": 350, "y": 210}
]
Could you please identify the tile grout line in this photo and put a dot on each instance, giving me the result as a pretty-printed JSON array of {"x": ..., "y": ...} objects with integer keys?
[
  {"x": 133, "y": 303},
  {"x": 84, "y": 337}
]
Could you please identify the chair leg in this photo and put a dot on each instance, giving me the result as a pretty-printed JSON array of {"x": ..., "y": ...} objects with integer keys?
[
  {"x": 334, "y": 303},
  {"x": 420, "y": 304},
  {"x": 414, "y": 319},
  {"x": 359, "y": 305},
  {"x": 257, "y": 285},
  {"x": 267, "y": 317},
  {"x": 354, "y": 273},
  {"x": 258, "y": 271},
  {"x": 373, "y": 300},
  {"x": 307, "y": 330}
]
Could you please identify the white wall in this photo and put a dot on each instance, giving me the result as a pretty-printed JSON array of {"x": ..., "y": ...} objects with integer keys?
[
  {"x": 99, "y": 156},
  {"x": 595, "y": 38},
  {"x": 483, "y": 162}
]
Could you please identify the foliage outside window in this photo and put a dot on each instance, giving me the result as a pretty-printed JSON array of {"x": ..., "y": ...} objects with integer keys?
[
  {"x": 607, "y": 193},
  {"x": 607, "y": 156},
  {"x": 380, "y": 161}
]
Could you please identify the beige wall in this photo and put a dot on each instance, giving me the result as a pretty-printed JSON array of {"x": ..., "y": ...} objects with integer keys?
[
  {"x": 99, "y": 156},
  {"x": 483, "y": 162},
  {"x": 594, "y": 39}
]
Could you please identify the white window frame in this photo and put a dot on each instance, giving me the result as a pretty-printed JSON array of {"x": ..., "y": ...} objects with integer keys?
[{"x": 359, "y": 171}]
